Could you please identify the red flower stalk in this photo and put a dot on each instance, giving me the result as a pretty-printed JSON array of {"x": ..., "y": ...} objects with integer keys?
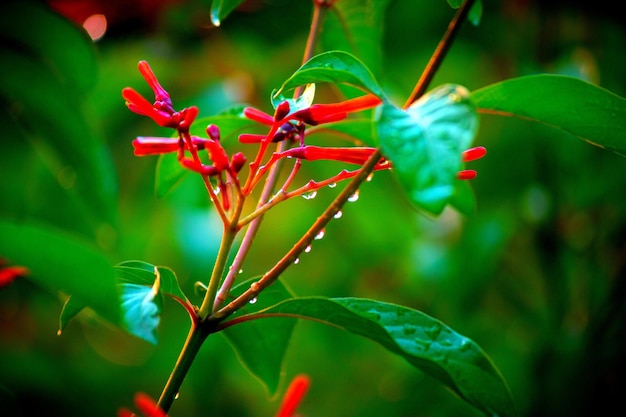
[
  {"x": 150, "y": 145},
  {"x": 293, "y": 396}
]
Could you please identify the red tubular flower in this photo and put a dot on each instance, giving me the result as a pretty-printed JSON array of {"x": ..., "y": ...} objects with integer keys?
[
  {"x": 353, "y": 155},
  {"x": 10, "y": 273},
  {"x": 150, "y": 145},
  {"x": 138, "y": 104},
  {"x": 468, "y": 155},
  {"x": 293, "y": 396},
  {"x": 326, "y": 113},
  {"x": 145, "y": 404}
]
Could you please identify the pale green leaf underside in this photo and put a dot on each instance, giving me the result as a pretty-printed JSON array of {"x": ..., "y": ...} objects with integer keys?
[{"x": 425, "y": 143}]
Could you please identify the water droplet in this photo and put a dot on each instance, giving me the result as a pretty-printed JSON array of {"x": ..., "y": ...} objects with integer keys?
[
  {"x": 216, "y": 190},
  {"x": 310, "y": 195},
  {"x": 59, "y": 332},
  {"x": 253, "y": 300},
  {"x": 320, "y": 234},
  {"x": 307, "y": 249},
  {"x": 332, "y": 185},
  {"x": 177, "y": 395},
  {"x": 338, "y": 214},
  {"x": 296, "y": 261},
  {"x": 254, "y": 286},
  {"x": 369, "y": 177},
  {"x": 241, "y": 271},
  {"x": 354, "y": 197}
]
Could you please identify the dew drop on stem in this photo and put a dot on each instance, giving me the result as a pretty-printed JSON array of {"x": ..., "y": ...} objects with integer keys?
[
  {"x": 307, "y": 249},
  {"x": 338, "y": 214},
  {"x": 310, "y": 195},
  {"x": 354, "y": 197},
  {"x": 332, "y": 185},
  {"x": 296, "y": 261},
  {"x": 253, "y": 300},
  {"x": 320, "y": 234},
  {"x": 177, "y": 395}
]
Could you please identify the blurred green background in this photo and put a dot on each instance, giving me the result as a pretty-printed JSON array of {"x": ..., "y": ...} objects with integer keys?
[{"x": 536, "y": 276}]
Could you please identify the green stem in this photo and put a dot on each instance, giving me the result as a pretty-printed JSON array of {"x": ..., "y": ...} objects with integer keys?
[
  {"x": 196, "y": 337},
  {"x": 319, "y": 11},
  {"x": 297, "y": 249},
  {"x": 228, "y": 237}
]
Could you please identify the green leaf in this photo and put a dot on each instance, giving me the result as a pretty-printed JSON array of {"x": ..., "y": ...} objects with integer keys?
[
  {"x": 569, "y": 104},
  {"x": 70, "y": 309},
  {"x": 45, "y": 73},
  {"x": 61, "y": 262},
  {"x": 359, "y": 131},
  {"x": 475, "y": 12},
  {"x": 426, "y": 343},
  {"x": 356, "y": 26},
  {"x": 271, "y": 337},
  {"x": 57, "y": 43},
  {"x": 425, "y": 142},
  {"x": 142, "y": 273},
  {"x": 222, "y": 8},
  {"x": 333, "y": 67},
  {"x": 141, "y": 310}
]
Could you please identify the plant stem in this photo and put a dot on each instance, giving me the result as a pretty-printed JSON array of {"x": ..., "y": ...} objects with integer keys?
[
  {"x": 197, "y": 334},
  {"x": 293, "y": 254},
  {"x": 440, "y": 52},
  {"x": 319, "y": 11},
  {"x": 228, "y": 237}
]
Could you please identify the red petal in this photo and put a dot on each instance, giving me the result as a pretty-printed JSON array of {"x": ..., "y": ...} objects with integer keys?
[{"x": 295, "y": 392}]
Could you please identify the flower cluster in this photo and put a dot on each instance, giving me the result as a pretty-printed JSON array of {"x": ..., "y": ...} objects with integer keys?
[{"x": 285, "y": 125}]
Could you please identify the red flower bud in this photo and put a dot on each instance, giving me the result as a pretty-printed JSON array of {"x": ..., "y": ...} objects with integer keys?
[
  {"x": 237, "y": 161},
  {"x": 282, "y": 110}
]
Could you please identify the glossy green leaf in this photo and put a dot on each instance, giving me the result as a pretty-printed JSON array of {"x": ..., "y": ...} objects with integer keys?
[
  {"x": 58, "y": 44},
  {"x": 569, "y": 104},
  {"x": 475, "y": 13},
  {"x": 61, "y": 262},
  {"x": 356, "y": 26},
  {"x": 358, "y": 131},
  {"x": 425, "y": 342},
  {"x": 425, "y": 143},
  {"x": 333, "y": 67},
  {"x": 141, "y": 310},
  {"x": 44, "y": 73},
  {"x": 142, "y": 273},
  {"x": 71, "y": 308},
  {"x": 231, "y": 122},
  {"x": 222, "y": 8},
  {"x": 271, "y": 337}
]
